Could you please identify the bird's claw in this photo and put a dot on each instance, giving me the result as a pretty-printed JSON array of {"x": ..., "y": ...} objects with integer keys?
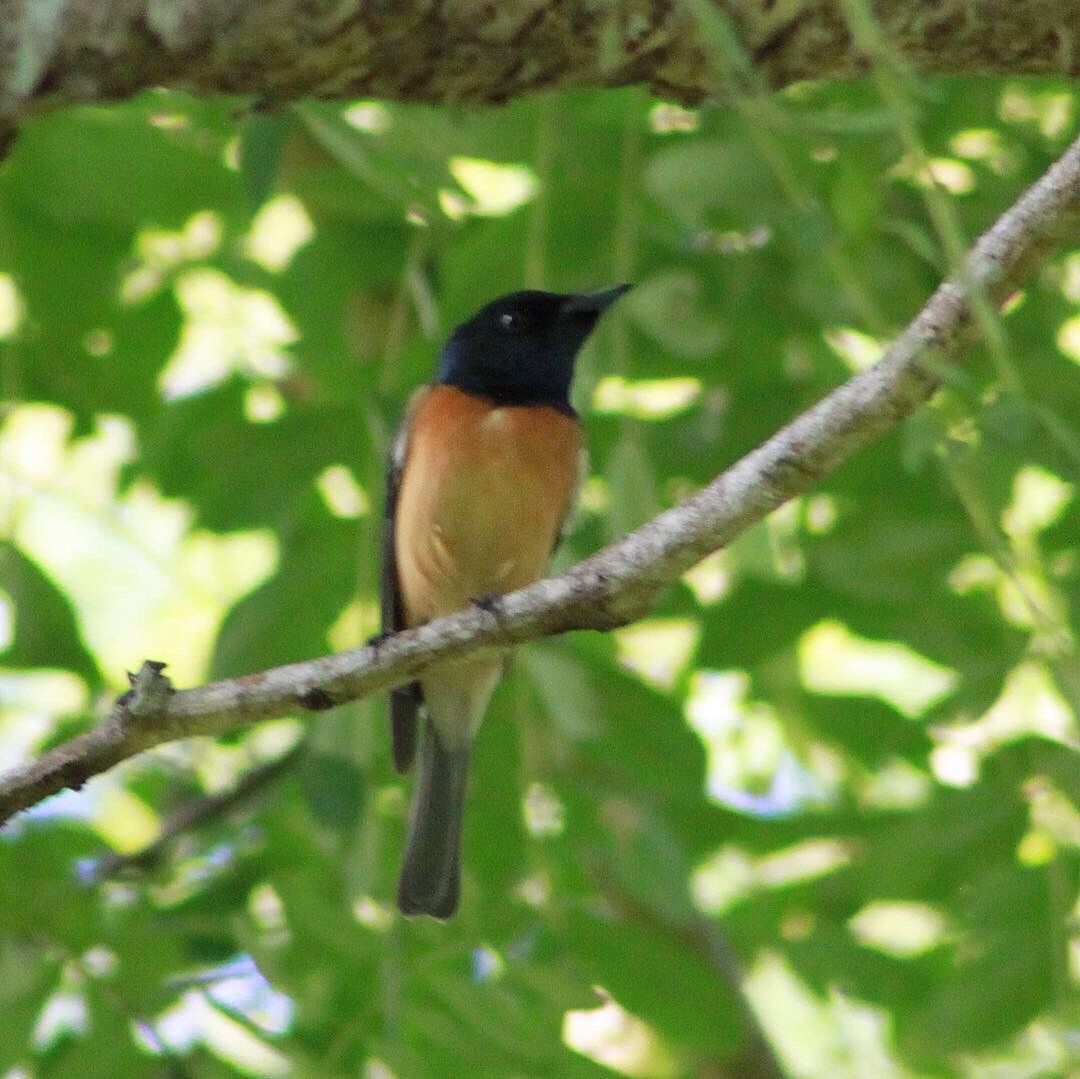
[{"x": 490, "y": 602}]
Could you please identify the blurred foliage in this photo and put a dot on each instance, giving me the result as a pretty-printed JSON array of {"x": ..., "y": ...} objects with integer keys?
[{"x": 844, "y": 751}]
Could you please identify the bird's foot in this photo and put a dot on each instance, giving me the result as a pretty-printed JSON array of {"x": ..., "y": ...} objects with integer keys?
[{"x": 491, "y": 602}]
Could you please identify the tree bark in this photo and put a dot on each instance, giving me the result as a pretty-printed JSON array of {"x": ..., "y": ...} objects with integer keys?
[
  {"x": 620, "y": 583},
  {"x": 60, "y": 51}
]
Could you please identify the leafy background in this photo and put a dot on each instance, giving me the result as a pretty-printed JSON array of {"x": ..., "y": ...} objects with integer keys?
[{"x": 831, "y": 784}]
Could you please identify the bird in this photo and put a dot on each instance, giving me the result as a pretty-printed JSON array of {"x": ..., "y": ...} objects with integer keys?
[{"x": 481, "y": 478}]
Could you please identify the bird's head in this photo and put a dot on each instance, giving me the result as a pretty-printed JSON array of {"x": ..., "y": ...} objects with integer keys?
[{"x": 520, "y": 349}]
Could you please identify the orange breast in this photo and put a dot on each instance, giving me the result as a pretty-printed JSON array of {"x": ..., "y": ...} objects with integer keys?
[{"x": 484, "y": 491}]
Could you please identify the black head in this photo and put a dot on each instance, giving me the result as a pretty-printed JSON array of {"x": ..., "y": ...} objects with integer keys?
[{"x": 520, "y": 349}]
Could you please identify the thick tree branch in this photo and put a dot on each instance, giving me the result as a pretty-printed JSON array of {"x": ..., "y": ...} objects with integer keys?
[
  {"x": 621, "y": 582},
  {"x": 487, "y": 51}
]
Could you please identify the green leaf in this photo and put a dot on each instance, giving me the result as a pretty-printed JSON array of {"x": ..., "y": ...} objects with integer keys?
[
  {"x": 46, "y": 631},
  {"x": 262, "y": 143},
  {"x": 662, "y": 980}
]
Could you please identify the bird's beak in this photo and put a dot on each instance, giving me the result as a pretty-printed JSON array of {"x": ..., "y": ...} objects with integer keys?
[{"x": 592, "y": 303}]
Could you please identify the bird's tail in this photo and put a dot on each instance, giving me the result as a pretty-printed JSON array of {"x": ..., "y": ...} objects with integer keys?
[{"x": 431, "y": 876}]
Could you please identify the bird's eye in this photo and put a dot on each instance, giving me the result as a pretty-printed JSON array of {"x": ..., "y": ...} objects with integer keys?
[{"x": 512, "y": 322}]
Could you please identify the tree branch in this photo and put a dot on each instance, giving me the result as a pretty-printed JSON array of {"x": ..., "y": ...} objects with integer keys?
[
  {"x": 620, "y": 583},
  {"x": 197, "y": 813},
  {"x": 450, "y": 51},
  {"x": 756, "y": 1057}
]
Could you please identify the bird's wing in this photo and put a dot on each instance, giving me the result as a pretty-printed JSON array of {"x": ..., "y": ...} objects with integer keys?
[{"x": 405, "y": 700}]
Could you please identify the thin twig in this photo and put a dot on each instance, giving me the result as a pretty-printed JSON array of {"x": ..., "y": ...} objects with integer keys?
[
  {"x": 620, "y": 583},
  {"x": 197, "y": 813},
  {"x": 756, "y": 1058}
]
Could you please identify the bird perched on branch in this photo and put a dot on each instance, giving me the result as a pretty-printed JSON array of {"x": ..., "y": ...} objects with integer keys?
[{"x": 481, "y": 479}]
